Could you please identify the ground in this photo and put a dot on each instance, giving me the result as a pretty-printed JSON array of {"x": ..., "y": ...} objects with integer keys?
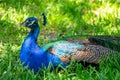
[{"x": 64, "y": 18}]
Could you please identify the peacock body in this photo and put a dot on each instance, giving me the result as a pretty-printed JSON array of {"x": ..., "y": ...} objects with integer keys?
[
  {"x": 31, "y": 54},
  {"x": 56, "y": 53}
]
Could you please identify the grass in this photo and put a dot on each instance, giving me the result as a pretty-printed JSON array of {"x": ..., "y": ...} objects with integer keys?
[{"x": 66, "y": 18}]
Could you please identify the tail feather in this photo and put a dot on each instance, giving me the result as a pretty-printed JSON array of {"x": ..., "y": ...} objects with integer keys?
[
  {"x": 107, "y": 41},
  {"x": 94, "y": 48}
]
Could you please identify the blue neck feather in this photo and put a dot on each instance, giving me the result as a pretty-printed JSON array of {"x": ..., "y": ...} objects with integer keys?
[
  {"x": 35, "y": 56},
  {"x": 34, "y": 32}
]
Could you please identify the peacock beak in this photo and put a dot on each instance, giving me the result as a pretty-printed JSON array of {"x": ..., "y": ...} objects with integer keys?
[{"x": 22, "y": 24}]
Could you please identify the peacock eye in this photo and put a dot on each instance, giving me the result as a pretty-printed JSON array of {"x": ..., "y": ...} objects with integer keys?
[{"x": 29, "y": 20}]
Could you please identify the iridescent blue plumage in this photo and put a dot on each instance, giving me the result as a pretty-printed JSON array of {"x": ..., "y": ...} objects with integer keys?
[{"x": 33, "y": 55}]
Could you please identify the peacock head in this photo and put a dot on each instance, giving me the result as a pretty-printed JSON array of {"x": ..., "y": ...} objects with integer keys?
[{"x": 30, "y": 22}]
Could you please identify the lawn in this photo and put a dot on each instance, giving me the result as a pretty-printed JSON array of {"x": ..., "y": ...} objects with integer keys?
[{"x": 64, "y": 18}]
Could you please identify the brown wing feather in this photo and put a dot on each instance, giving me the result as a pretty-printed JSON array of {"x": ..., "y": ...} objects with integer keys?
[{"x": 90, "y": 54}]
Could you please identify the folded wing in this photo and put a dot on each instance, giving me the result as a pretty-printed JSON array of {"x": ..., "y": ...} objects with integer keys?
[{"x": 79, "y": 51}]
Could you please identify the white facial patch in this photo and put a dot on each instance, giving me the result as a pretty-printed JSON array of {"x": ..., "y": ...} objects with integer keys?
[{"x": 31, "y": 23}]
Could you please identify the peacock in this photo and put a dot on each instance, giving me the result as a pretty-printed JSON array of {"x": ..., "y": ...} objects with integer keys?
[{"x": 58, "y": 52}]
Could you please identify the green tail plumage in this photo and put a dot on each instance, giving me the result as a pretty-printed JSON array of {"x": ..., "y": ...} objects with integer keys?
[
  {"x": 92, "y": 50},
  {"x": 112, "y": 42}
]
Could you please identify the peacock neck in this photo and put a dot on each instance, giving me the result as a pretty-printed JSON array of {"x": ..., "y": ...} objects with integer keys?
[{"x": 34, "y": 32}]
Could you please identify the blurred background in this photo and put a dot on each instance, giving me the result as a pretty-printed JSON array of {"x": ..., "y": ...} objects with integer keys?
[{"x": 64, "y": 18}]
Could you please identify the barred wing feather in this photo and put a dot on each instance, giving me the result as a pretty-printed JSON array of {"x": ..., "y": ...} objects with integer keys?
[{"x": 80, "y": 52}]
